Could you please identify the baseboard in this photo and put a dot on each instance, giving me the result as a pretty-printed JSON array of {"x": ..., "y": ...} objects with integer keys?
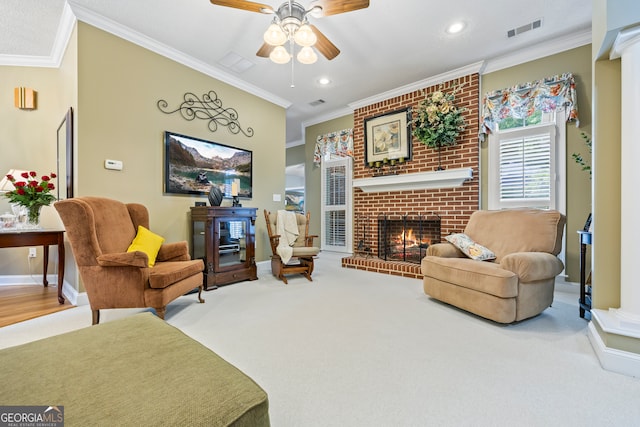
[
  {"x": 263, "y": 266},
  {"x": 69, "y": 292},
  {"x": 611, "y": 359}
]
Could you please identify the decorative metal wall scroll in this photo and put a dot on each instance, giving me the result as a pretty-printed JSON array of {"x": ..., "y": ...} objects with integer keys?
[{"x": 208, "y": 108}]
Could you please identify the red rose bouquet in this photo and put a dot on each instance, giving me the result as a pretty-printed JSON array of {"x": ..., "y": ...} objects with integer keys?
[{"x": 31, "y": 193}]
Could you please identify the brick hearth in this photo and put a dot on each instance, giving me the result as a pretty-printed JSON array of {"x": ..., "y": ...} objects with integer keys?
[
  {"x": 453, "y": 205},
  {"x": 397, "y": 268}
]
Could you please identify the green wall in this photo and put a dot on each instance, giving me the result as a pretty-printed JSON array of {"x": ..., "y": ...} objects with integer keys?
[
  {"x": 296, "y": 155},
  {"x": 312, "y": 172},
  {"x": 578, "y": 62},
  {"x": 113, "y": 86},
  {"x": 119, "y": 86},
  {"x": 28, "y": 140}
]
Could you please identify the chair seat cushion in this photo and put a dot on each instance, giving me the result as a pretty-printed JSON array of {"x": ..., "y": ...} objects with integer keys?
[
  {"x": 305, "y": 251},
  {"x": 164, "y": 274},
  {"x": 487, "y": 277}
]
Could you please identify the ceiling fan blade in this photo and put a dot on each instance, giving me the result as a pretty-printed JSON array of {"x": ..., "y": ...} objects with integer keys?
[
  {"x": 324, "y": 45},
  {"x": 334, "y": 7},
  {"x": 265, "y": 50},
  {"x": 244, "y": 5}
]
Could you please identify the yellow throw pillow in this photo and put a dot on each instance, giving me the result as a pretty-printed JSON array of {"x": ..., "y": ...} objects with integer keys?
[{"x": 147, "y": 242}]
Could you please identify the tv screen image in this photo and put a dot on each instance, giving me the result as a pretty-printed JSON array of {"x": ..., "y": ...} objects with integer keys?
[{"x": 193, "y": 165}]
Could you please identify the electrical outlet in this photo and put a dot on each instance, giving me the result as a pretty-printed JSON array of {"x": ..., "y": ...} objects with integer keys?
[{"x": 32, "y": 252}]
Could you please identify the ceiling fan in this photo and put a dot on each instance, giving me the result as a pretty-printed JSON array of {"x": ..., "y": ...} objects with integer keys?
[{"x": 290, "y": 24}]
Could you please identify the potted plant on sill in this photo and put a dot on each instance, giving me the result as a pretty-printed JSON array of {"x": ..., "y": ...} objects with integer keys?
[{"x": 438, "y": 121}]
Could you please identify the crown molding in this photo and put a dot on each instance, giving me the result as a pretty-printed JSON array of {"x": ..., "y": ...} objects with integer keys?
[
  {"x": 430, "y": 81},
  {"x": 540, "y": 50},
  {"x": 85, "y": 15},
  {"x": 335, "y": 114},
  {"x": 547, "y": 48},
  {"x": 623, "y": 40},
  {"x": 292, "y": 144},
  {"x": 65, "y": 28},
  {"x": 27, "y": 61}
]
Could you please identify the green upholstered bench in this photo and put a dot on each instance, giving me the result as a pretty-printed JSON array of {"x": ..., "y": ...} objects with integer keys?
[{"x": 135, "y": 371}]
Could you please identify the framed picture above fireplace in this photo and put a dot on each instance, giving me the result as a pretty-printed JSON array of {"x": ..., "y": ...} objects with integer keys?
[{"x": 388, "y": 137}]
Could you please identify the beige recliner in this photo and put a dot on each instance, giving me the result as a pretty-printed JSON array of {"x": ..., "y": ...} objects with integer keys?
[{"x": 519, "y": 283}]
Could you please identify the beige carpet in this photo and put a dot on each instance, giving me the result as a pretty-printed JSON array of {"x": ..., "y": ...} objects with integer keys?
[{"x": 354, "y": 348}]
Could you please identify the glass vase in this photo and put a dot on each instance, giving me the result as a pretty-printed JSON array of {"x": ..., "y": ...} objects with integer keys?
[{"x": 33, "y": 216}]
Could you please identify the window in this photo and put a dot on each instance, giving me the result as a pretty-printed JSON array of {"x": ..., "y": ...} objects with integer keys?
[
  {"x": 524, "y": 167},
  {"x": 336, "y": 205},
  {"x": 524, "y": 164}
]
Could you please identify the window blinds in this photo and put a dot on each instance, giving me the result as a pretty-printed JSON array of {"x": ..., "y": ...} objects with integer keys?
[{"x": 525, "y": 166}]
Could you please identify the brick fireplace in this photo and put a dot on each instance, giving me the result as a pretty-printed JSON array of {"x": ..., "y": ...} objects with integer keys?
[{"x": 418, "y": 191}]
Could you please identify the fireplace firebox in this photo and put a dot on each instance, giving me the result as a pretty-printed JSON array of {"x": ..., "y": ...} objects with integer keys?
[{"x": 406, "y": 237}]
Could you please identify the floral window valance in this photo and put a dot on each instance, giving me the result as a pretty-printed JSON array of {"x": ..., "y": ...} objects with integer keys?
[
  {"x": 338, "y": 143},
  {"x": 523, "y": 100}
]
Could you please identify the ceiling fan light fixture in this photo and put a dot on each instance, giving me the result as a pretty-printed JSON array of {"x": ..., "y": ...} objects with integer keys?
[
  {"x": 274, "y": 35},
  {"x": 307, "y": 55},
  {"x": 279, "y": 55},
  {"x": 305, "y": 36}
]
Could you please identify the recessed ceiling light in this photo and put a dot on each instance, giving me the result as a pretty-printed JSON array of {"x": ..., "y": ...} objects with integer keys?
[
  {"x": 324, "y": 81},
  {"x": 456, "y": 27}
]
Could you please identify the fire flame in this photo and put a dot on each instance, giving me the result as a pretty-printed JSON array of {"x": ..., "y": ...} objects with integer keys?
[{"x": 411, "y": 239}]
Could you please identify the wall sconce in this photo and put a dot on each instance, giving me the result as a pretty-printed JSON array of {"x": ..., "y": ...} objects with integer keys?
[{"x": 24, "y": 98}]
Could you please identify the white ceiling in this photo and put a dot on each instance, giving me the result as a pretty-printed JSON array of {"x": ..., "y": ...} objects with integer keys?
[{"x": 388, "y": 47}]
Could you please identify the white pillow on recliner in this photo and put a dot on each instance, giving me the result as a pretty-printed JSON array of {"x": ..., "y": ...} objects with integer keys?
[{"x": 470, "y": 248}]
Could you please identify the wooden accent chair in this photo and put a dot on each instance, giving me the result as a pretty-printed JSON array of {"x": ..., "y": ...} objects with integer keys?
[
  {"x": 303, "y": 250},
  {"x": 100, "y": 231}
]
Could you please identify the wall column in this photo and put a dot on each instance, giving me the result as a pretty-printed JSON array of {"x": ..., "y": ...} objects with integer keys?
[
  {"x": 628, "y": 48},
  {"x": 615, "y": 333}
]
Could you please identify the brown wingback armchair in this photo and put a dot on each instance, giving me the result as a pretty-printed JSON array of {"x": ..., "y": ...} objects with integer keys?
[{"x": 100, "y": 230}]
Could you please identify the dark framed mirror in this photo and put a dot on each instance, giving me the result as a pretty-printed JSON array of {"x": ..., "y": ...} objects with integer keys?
[{"x": 65, "y": 156}]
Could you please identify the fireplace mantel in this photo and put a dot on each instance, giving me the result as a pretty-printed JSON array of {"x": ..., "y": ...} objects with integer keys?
[{"x": 447, "y": 178}]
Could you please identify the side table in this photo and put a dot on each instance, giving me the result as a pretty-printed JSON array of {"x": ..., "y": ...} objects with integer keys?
[
  {"x": 585, "y": 290},
  {"x": 40, "y": 237}
]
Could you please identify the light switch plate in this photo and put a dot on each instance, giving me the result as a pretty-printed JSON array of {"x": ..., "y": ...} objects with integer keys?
[{"x": 277, "y": 197}]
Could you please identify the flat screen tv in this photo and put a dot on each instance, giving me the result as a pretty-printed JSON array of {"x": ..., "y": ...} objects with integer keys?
[{"x": 193, "y": 165}]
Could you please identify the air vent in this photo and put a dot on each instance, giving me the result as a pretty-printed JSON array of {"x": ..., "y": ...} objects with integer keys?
[
  {"x": 523, "y": 29},
  {"x": 317, "y": 102},
  {"x": 236, "y": 63}
]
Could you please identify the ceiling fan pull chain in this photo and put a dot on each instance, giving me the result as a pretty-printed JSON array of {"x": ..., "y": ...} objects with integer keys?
[
  {"x": 292, "y": 47},
  {"x": 292, "y": 66}
]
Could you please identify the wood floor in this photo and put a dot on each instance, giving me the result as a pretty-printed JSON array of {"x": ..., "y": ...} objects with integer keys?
[{"x": 24, "y": 302}]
